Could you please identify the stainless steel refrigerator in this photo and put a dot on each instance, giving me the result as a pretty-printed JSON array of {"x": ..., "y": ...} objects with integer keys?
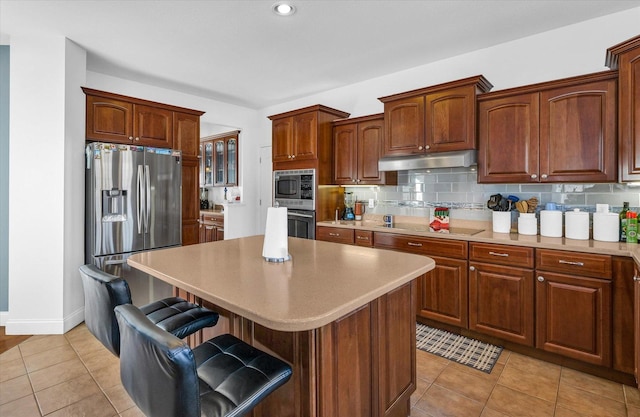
[{"x": 133, "y": 204}]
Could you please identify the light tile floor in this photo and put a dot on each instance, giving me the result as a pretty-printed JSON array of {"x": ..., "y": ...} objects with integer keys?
[{"x": 74, "y": 375}]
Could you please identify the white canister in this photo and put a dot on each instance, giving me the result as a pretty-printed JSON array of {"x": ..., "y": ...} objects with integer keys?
[
  {"x": 527, "y": 224},
  {"x": 551, "y": 223},
  {"x": 502, "y": 221},
  {"x": 576, "y": 224},
  {"x": 606, "y": 226}
]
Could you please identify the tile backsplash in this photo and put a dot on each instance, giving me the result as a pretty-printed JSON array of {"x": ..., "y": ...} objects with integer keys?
[{"x": 419, "y": 191}]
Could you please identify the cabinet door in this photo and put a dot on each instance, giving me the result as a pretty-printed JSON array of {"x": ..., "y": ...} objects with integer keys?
[
  {"x": 573, "y": 316},
  {"x": 451, "y": 120},
  {"x": 345, "y": 157},
  {"x": 370, "y": 138},
  {"x": 578, "y": 133},
  {"x": 364, "y": 238},
  {"x": 508, "y": 131},
  {"x": 629, "y": 102},
  {"x": 282, "y": 140},
  {"x": 442, "y": 292},
  {"x": 190, "y": 201},
  {"x": 208, "y": 163},
  {"x": 404, "y": 126},
  {"x": 501, "y": 302},
  {"x": 231, "y": 158},
  {"x": 305, "y": 135},
  {"x": 186, "y": 133},
  {"x": 219, "y": 165},
  {"x": 152, "y": 126},
  {"x": 636, "y": 322},
  {"x": 109, "y": 120}
]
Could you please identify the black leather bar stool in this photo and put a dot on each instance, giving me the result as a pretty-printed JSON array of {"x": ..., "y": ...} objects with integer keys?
[
  {"x": 103, "y": 292},
  {"x": 223, "y": 376}
]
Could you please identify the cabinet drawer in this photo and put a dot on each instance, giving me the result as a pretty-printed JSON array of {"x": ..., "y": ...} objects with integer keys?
[
  {"x": 335, "y": 234},
  {"x": 584, "y": 264},
  {"x": 501, "y": 254},
  {"x": 214, "y": 219},
  {"x": 421, "y": 245},
  {"x": 364, "y": 238}
]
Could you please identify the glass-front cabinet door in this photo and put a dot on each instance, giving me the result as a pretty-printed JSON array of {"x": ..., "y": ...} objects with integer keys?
[
  {"x": 208, "y": 163},
  {"x": 219, "y": 163},
  {"x": 231, "y": 162}
]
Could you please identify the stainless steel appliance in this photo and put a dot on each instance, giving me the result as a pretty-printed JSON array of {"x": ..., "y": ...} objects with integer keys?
[
  {"x": 296, "y": 190},
  {"x": 301, "y": 223},
  {"x": 133, "y": 204}
]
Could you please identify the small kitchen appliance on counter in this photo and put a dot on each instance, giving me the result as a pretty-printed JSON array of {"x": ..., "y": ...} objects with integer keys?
[{"x": 349, "y": 200}]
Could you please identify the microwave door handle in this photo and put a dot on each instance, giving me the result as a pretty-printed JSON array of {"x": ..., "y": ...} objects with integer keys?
[
  {"x": 309, "y": 216},
  {"x": 139, "y": 199}
]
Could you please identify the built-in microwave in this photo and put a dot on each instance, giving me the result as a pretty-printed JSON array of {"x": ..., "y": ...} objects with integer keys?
[{"x": 295, "y": 188}]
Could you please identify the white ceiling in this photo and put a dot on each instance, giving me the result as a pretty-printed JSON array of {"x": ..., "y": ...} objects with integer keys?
[{"x": 239, "y": 52}]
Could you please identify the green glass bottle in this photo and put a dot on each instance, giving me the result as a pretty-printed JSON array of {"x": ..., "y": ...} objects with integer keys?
[{"x": 623, "y": 221}]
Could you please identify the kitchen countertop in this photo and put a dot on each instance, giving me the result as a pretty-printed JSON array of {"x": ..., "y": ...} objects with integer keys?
[
  {"x": 323, "y": 282},
  {"x": 486, "y": 235}
]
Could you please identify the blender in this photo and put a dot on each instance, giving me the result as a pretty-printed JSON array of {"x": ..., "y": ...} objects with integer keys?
[
  {"x": 349, "y": 200},
  {"x": 204, "y": 199}
]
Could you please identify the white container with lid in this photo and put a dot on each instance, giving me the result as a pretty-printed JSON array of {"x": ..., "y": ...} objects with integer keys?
[
  {"x": 551, "y": 223},
  {"x": 527, "y": 224},
  {"x": 606, "y": 225},
  {"x": 576, "y": 224}
]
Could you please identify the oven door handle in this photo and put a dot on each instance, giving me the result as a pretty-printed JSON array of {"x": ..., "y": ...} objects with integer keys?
[{"x": 309, "y": 216}]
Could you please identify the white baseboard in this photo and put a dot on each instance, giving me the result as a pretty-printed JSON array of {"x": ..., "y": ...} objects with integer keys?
[{"x": 32, "y": 327}]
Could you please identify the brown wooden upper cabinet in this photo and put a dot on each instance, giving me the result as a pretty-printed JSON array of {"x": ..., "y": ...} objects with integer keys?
[
  {"x": 563, "y": 130},
  {"x": 302, "y": 134},
  {"x": 433, "y": 119},
  {"x": 626, "y": 58},
  {"x": 357, "y": 147}
]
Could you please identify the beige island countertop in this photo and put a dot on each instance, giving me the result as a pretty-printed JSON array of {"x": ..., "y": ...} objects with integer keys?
[{"x": 322, "y": 282}]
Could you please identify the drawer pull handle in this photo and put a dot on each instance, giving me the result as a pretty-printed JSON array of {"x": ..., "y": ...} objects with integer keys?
[
  {"x": 334, "y": 234},
  {"x": 499, "y": 254},
  {"x": 363, "y": 237},
  {"x": 562, "y": 261},
  {"x": 636, "y": 278},
  {"x": 414, "y": 244}
]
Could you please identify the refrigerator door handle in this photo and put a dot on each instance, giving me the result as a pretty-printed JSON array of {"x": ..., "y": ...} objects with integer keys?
[
  {"x": 116, "y": 262},
  {"x": 147, "y": 181},
  {"x": 140, "y": 199}
]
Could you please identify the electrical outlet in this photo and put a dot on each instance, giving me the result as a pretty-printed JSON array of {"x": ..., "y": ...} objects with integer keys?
[{"x": 372, "y": 203}]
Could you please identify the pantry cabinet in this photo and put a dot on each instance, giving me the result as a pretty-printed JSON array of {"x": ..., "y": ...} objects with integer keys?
[
  {"x": 573, "y": 305},
  {"x": 439, "y": 118},
  {"x": 128, "y": 120},
  {"x": 357, "y": 148},
  {"x": 442, "y": 292},
  {"x": 501, "y": 291},
  {"x": 558, "y": 131},
  {"x": 625, "y": 57}
]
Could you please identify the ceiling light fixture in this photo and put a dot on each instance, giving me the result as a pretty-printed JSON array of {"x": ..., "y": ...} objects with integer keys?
[{"x": 283, "y": 9}]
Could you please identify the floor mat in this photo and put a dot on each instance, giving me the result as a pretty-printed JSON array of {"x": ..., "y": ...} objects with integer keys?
[{"x": 474, "y": 353}]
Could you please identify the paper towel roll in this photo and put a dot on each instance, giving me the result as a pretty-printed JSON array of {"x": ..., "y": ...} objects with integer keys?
[
  {"x": 576, "y": 224},
  {"x": 606, "y": 227},
  {"x": 551, "y": 223},
  {"x": 275, "y": 247}
]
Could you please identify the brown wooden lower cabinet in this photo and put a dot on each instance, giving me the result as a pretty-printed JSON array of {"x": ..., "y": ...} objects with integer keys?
[
  {"x": 636, "y": 323},
  {"x": 335, "y": 234},
  {"x": 501, "y": 302},
  {"x": 573, "y": 316},
  {"x": 623, "y": 315},
  {"x": 362, "y": 364}
]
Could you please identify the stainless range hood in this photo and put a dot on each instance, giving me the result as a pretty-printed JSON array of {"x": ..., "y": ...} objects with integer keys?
[{"x": 428, "y": 161}]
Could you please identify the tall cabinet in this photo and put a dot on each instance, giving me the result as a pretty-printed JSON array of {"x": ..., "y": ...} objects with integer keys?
[
  {"x": 626, "y": 58},
  {"x": 121, "y": 119}
]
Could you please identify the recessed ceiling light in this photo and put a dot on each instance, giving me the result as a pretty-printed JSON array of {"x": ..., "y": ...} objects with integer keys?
[{"x": 283, "y": 9}]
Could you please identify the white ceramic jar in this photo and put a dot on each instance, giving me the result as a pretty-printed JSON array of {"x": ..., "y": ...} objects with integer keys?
[
  {"x": 501, "y": 221},
  {"x": 576, "y": 224},
  {"x": 551, "y": 223},
  {"x": 527, "y": 224}
]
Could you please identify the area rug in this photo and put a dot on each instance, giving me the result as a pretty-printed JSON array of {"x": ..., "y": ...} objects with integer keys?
[{"x": 473, "y": 353}]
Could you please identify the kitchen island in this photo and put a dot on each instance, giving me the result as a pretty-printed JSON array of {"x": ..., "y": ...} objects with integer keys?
[{"x": 342, "y": 316}]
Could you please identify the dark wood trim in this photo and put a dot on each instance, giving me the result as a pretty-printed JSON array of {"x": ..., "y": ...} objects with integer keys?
[{"x": 139, "y": 101}]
